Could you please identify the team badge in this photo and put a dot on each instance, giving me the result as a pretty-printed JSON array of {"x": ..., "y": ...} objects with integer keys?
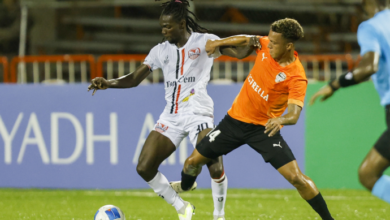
[
  {"x": 280, "y": 77},
  {"x": 166, "y": 61},
  {"x": 194, "y": 53},
  {"x": 161, "y": 127}
]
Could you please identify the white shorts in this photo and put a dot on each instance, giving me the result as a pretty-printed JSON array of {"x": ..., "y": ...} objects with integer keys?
[{"x": 177, "y": 127}]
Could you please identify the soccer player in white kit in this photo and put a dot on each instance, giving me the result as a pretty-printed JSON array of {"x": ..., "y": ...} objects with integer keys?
[{"x": 189, "y": 109}]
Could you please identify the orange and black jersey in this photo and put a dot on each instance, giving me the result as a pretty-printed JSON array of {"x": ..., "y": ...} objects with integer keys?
[{"x": 269, "y": 88}]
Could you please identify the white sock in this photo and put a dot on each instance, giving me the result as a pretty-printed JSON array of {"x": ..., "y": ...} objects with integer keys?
[
  {"x": 161, "y": 186},
  {"x": 219, "y": 191}
]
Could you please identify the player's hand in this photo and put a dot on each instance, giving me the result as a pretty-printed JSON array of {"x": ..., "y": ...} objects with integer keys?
[
  {"x": 273, "y": 126},
  {"x": 98, "y": 83},
  {"x": 211, "y": 46},
  {"x": 325, "y": 92},
  {"x": 254, "y": 42}
]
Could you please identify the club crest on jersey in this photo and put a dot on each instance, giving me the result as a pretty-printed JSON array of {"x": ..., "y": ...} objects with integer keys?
[
  {"x": 166, "y": 61},
  {"x": 194, "y": 53},
  {"x": 280, "y": 77},
  {"x": 160, "y": 127}
]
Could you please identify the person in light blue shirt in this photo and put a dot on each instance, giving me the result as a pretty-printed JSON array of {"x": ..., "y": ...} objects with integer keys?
[{"x": 374, "y": 40}]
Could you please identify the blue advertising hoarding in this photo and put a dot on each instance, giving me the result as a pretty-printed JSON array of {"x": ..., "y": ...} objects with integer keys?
[{"x": 62, "y": 137}]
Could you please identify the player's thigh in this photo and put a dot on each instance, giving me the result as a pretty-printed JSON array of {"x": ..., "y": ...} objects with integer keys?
[
  {"x": 202, "y": 134},
  {"x": 373, "y": 164},
  {"x": 197, "y": 127},
  {"x": 383, "y": 144},
  {"x": 215, "y": 165},
  {"x": 156, "y": 149},
  {"x": 378, "y": 159},
  {"x": 274, "y": 150},
  {"x": 221, "y": 140},
  {"x": 196, "y": 159}
]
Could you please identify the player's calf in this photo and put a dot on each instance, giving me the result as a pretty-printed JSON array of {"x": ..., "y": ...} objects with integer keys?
[
  {"x": 191, "y": 170},
  {"x": 306, "y": 188}
]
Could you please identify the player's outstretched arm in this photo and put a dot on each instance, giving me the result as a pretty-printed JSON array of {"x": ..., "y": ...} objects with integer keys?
[
  {"x": 236, "y": 46},
  {"x": 291, "y": 118},
  {"x": 128, "y": 81},
  {"x": 367, "y": 67}
]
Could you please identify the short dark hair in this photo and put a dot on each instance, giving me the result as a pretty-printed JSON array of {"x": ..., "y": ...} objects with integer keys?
[{"x": 289, "y": 28}]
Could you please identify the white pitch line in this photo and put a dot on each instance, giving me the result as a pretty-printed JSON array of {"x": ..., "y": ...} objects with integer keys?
[{"x": 230, "y": 195}]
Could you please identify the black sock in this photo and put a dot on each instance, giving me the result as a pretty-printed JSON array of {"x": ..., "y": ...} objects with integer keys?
[
  {"x": 319, "y": 205},
  {"x": 187, "y": 181}
]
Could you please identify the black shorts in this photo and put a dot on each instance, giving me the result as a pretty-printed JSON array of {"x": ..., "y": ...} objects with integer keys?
[
  {"x": 231, "y": 134},
  {"x": 383, "y": 144}
]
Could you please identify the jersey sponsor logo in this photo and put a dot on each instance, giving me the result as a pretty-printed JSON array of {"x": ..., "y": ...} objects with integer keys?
[
  {"x": 280, "y": 77},
  {"x": 194, "y": 53},
  {"x": 186, "y": 79},
  {"x": 166, "y": 60},
  {"x": 160, "y": 127},
  {"x": 182, "y": 79},
  {"x": 170, "y": 84},
  {"x": 188, "y": 97},
  {"x": 257, "y": 88}
]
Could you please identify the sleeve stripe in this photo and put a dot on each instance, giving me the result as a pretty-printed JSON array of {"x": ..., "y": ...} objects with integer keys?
[{"x": 296, "y": 102}]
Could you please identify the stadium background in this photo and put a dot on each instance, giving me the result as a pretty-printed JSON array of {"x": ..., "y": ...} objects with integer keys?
[{"x": 50, "y": 49}]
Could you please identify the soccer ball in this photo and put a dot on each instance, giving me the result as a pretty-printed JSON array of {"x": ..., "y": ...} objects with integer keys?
[{"x": 109, "y": 212}]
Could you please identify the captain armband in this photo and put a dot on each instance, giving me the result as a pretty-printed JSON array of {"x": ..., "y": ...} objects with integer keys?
[{"x": 347, "y": 79}]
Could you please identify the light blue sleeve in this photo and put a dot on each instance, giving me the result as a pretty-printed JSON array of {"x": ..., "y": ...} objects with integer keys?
[{"x": 368, "y": 39}]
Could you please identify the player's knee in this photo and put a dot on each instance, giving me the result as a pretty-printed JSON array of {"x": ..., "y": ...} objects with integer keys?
[
  {"x": 190, "y": 161},
  {"x": 216, "y": 170},
  {"x": 190, "y": 165},
  {"x": 143, "y": 169},
  {"x": 297, "y": 179}
]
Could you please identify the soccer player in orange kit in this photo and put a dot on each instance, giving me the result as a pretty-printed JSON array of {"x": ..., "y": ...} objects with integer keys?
[{"x": 276, "y": 82}]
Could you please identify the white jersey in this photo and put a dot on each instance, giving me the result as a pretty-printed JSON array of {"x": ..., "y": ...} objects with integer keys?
[{"x": 186, "y": 74}]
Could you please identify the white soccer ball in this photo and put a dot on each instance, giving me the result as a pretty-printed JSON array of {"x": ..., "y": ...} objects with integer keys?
[{"x": 109, "y": 212}]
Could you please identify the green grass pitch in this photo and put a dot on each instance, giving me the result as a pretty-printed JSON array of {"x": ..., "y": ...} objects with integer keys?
[{"x": 241, "y": 204}]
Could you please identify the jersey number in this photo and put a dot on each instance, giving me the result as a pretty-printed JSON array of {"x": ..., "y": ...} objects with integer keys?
[{"x": 213, "y": 135}]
